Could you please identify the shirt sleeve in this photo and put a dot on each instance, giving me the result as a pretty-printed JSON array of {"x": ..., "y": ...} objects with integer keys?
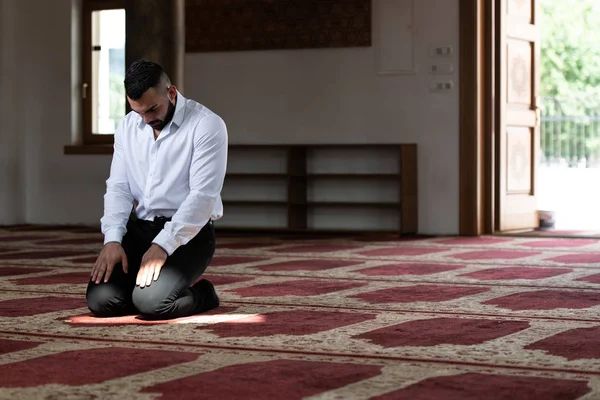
[
  {"x": 118, "y": 200},
  {"x": 207, "y": 173}
]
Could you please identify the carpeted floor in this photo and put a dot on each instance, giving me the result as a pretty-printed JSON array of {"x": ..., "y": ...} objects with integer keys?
[{"x": 433, "y": 318}]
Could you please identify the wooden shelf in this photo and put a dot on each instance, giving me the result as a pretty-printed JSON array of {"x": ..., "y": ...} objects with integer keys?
[
  {"x": 297, "y": 179},
  {"x": 316, "y": 231},
  {"x": 354, "y": 176},
  {"x": 274, "y": 175},
  {"x": 348, "y": 204},
  {"x": 254, "y": 203},
  {"x": 255, "y": 175}
]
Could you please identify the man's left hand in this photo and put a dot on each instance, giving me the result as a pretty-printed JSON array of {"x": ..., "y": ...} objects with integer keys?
[{"x": 152, "y": 262}]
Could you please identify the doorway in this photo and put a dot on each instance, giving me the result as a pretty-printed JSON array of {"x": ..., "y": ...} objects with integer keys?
[
  {"x": 569, "y": 166},
  {"x": 508, "y": 132},
  {"x": 499, "y": 116}
]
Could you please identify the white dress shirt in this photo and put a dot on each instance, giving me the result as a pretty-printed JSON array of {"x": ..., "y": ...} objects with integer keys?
[{"x": 178, "y": 175}]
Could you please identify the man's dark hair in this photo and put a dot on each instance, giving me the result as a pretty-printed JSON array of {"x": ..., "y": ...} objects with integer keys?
[{"x": 143, "y": 75}]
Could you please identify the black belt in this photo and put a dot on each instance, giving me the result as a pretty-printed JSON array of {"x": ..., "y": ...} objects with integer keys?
[
  {"x": 161, "y": 221},
  {"x": 158, "y": 222}
]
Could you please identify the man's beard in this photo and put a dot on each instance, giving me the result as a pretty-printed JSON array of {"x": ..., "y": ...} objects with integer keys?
[{"x": 158, "y": 124}]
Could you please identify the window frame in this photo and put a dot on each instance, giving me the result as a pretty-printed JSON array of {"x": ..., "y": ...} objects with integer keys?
[{"x": 89, "y": 6}]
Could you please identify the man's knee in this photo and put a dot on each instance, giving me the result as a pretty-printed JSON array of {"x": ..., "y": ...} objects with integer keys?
[
  {"x": 151, "y": 303},
  {"x": 105, "y": 300}
]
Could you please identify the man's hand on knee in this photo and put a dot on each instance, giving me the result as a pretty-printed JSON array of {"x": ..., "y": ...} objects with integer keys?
[
  {"x": 152, "y": 262},
  {"x": 111, "y": 254}
]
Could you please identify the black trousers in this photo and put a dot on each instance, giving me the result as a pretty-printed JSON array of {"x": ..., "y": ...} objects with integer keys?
[{"x": 170, "y": 295}]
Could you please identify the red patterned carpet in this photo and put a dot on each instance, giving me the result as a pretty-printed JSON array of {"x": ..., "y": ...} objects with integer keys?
[{"x": 434, "y": 318}]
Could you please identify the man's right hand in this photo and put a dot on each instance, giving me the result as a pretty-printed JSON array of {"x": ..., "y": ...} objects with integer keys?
[{"x": 111, "y": 254}]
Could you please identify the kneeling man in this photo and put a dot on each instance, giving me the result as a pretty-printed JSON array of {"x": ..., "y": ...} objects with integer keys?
[{"x": 162, "y": 196}]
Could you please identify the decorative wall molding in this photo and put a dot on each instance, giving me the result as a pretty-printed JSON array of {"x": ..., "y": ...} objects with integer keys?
[{"x": 240, "y": 25}]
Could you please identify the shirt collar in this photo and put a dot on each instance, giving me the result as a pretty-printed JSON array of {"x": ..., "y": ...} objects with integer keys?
[
  {"x": 179, "y": 110},
  {"x": 177, "y": 116}
]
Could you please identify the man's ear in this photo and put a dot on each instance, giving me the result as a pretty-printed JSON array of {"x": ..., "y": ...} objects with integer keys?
[{"x": 172, "y": 91}]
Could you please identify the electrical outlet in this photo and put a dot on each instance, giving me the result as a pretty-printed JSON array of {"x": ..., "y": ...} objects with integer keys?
[{"x": 441, "y": 87}]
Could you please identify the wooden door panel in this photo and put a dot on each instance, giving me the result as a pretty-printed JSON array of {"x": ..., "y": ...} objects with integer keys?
[
  {"x": 520, "y": 216},
  {"x": 518, "y": 64},
  {"x": 521, "y": 9},
  {"x": 519, "y": 144},
  {"x": 517, "y": 122}
]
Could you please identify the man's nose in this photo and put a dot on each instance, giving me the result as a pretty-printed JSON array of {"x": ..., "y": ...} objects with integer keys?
[{"x": 147, "y": 118}]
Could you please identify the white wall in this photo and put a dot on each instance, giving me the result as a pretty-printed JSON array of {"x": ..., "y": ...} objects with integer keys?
[
  {"x": 336, "y": 96},
  {"x": 325, "y": 95},
  {"x": 11, "y": 188},
  {"x": 58, "y": 189}
]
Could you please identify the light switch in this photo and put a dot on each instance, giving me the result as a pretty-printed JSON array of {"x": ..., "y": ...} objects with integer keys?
[{"x": 441, "y": 51}]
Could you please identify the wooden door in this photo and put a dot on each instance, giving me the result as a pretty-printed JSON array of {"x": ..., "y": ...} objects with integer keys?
[{"x": 517, "y": 115}]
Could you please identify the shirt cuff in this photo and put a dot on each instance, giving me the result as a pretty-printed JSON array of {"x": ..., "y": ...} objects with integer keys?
[
  {"x": 167, "y": 242},
  {"x": 114, "y": 235}
]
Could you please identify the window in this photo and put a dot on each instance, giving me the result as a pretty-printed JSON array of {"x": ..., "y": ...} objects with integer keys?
[{"x": 103, "y": 93}]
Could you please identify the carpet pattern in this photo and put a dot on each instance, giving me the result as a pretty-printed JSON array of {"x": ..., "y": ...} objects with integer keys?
[{"x": 350, "y": 318}]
